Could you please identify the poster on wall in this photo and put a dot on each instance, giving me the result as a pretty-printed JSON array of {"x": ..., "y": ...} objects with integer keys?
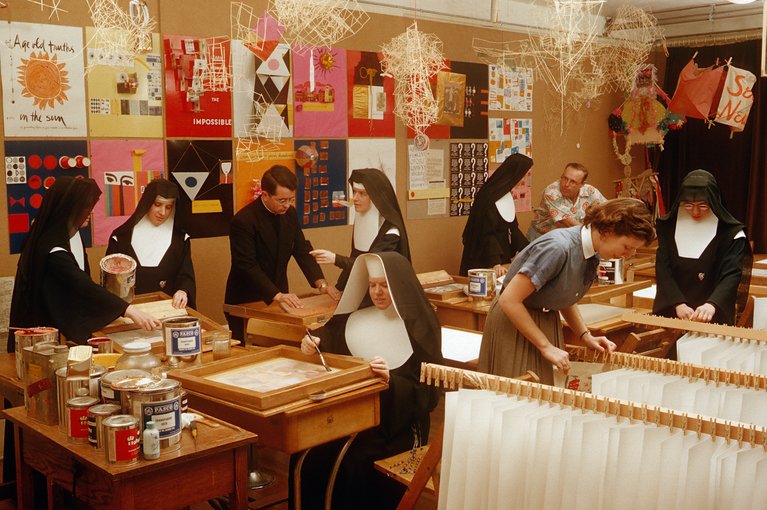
[
  {"x": 426, "y": 174},
  {"x": 43, "y": 80},
  {"x": 197, "y": 86},
  {"x": 31, "y": 168},
  {"x": 122, "y": 169},
  {"x": 321, "y": 170},
  {"x": 379, "y": 153},
  {"x": 247, "y": 175},
  {"x": 468, "y": 172},
  {"x": 203, "y": 171},
  {"x": 124, "y": 91},
  {"x": 475, "y": 100},
  {"x": 319, "y": 93},
  {"x": 511, "y": 89},
  {"x": 370, "y": 96}
]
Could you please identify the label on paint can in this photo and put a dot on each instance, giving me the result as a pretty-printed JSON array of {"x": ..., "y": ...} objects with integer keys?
[
  {"x": 166, "y": 416},
  {"x": 122, "y": 439},
  {"x": 126, "y": 444}
]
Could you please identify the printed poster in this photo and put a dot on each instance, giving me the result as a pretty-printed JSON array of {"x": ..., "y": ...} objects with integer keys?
[
  {"x": 122, "y": 169},
  {"x": 202, "y": 169},
  {"x": 124, "y": 91},
  {"x": 321, "y": 170},
  {"x": 43, "y": 80},
  {"x": 319, "y": 92},
  {"x": 468, "y": 172},
  {"x": 370, "y": 96},
  {"x": 247, "y": 178},
  {"x": 379, "y": 153},
  {"x": 511, "y": 89},
  {"x": 426, "y": 174},
  {"x": 475, "y": 101},
  {"x": 31, "y": 168},
  {"x": 197, "y": 87}
]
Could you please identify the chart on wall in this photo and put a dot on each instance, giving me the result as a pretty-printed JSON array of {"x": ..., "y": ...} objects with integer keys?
[
  {"x": 31, "y": 168},
  {"x": 125, "y": 91},
  {"x": 370, "y": 96},
  {"x": 468, "y": 172},
  {"x": 319, "y": 92},
  {"x": 510, "y": 136},
  {"x": 122, "y": 169},
  {"x": 247, "y": 176},
  {"x": 321, "y": 170},
  {"x": 197, "y": 86},
  {"x": 511, "y": 89},
  {"x": 203, "y": 171},
  {"x": 379, "y": 153},
  {"x": 475, "y": 100},
  {"x": 43, "y": 80}
]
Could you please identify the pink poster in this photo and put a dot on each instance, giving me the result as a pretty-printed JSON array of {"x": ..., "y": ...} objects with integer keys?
[
  {"x": 319, "y": 93},
  {"x": 122, "y": 168}
]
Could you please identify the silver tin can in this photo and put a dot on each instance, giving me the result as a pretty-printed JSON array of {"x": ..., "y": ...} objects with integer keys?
[
  {"x": 77, "y": 418},
  {"x": 28, "y": 337},
  {"x": 111, "y": 394},
  {"x": 96, "y": 416},
  {"x": 183, "y": 340},
  {"x": 122, "y": 438},
  {"x": 118, "y": 275},
  {"x": 77, "y": 388},
  {"x": 481, "y": 284},
  {"x": 160, "y": 403}
]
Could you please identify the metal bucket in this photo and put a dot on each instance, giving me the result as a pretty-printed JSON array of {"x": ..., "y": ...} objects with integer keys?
[
  {"x": 121, "y": 439},
  {"x": 183, "y": 340},
  {"x": 481, "y": 284},
  {"x": 96, "y": 416},
  {"x": 118, "y": 275},
  {"x": 77, "y": 388},
  {"x": 77, "y": 418},
  {"x": 160, "y": 403},
  {"x": 113, "y": 382},
  {"x": 31, "y": 336}
]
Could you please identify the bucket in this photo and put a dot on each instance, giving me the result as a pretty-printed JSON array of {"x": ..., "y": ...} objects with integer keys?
[
  {"x": 121, "y": 439},
  {"x": 113, "y": 382},
  {"x": 182, "y": 340},
  {"x": 96, "y": 416},
  {"x": 118, "y": 275},
  {"x": 77, "y": 418},
  {"x": 481, "y": 284},
  {"x": 160, "y": 403},
  {"x": 77, "y": 388},
  {"x": 29, "y": 337}
]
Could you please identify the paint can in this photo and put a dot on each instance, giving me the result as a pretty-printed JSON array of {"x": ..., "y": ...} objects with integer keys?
[
  {"x": 29, "y": 337},
  {"x": 113, "y": 382},
  {"x": 121, "y": 439},
  {"x": 77, "y": 418},
  {"x": 39, "y": 365},
  {"x": 96, "y": 416},
  {"x": 118, "y": 275},
  {"x": 101, "y": 344},
  {"x": 610, "y": 272},
  {"x": 160, "y": 403},
  {"x": 481, "y": 284},
  {"x": 70, "y": 388},
  {"x": 183, "y": 340}
]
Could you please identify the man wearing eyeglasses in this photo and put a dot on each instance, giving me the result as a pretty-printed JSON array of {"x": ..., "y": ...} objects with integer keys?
[
  {"x": 564, "y": 202},
  {"x": 263, "y": 236}
]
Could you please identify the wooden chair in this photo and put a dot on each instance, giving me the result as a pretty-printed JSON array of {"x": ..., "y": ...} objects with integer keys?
[
  {"x": 654, "y": 343},
  {"x": 746, "y": 316}
]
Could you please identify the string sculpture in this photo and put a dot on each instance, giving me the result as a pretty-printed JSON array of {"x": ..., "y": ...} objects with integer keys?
[
  {"x": 214, "y": 71},
  {"x": 310, "y": 23},
  {"x": 245, "y": 26},
  {"x": 412, "y": 58},
  {"x": 52, "y": 5},
  {"x": 120, "y": 35},
  {"x": 259, "y": 134}
]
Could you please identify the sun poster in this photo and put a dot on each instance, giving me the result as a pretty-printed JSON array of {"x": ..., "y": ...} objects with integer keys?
[
  {"x": 122, "y": 169},
  {"x": 203, "y": 171},
  {"x": 124, "y": 92},
  {"x": 247, "y": 176},
  {"x": 43, "y": 80},
  {"x": 31, "y": 168},
  {"x": 319, "y": 92},
  {"x": 371, "y": 96},
  {"x": 197, "y": 87},
  {"x": 321, "y": 170}
]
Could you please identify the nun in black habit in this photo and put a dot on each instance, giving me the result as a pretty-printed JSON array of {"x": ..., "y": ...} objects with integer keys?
[
  {"x": 162, "y": 250},
  {"x": 703, "y": 262},
  {"x": 383, "y": 296},
  {"x": 53, "y": 286},
  {"x": 378, "y": 223},
  {"x": 492, "y": 236}
]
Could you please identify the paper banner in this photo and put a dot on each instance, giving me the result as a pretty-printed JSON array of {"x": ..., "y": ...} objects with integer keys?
[
  {"x": 371, "y": 96},
  {"x": 380, "y": 153},
  {"x": 511, "y": 90},
  {"x": 247, "y": 177},
  {"x": 319, "y": 93},
  {"x": 321, "y": 169},
  {"x": 737, "y": 98},
  {"x": 475, "y": 102},
  {"x": 468, "y": 172}
]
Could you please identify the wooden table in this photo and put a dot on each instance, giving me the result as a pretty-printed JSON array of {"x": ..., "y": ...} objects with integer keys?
[
  {"x": 605, "y": 293},
  {"x": 214, "y": 465},
  {"x": 11, "y": 387},
  {"x": 614, "y": 328}
]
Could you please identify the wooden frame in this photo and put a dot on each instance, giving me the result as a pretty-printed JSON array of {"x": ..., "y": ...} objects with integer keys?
[
  {"x": 318, "y": 308},
  {"x": 350, "y": 371}
]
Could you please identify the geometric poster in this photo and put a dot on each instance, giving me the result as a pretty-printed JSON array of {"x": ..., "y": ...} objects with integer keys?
[
  {"x": 122, "y": 169},
  {"x": 371, "y": 96},
  {"x": 197, "y": 87},
  {"x": 475, "y": 102},
  {"x": 321, "y": 170},
  {"x": 125, "y": 91},
  {"x": 202, "y": 169},
  {"x": 31, "y": 168},
  {"x": 248, "y": 174},
  {"x": 42, "y": 75},
  {"x": 319, "y": 93},
  {"x": 272, "y": 88},
  {"x": 511, "y": 89},
  {"x": 468, "y": 172}
]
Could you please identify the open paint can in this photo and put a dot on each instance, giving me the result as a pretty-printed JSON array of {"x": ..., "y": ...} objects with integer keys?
[
  {"x": 29, "y": 337},
  {"x": 77, "y": 387},
  {"x": 118, "y": 275},
  {"x": 160, "y": 403},
  {"x": 481, "y": 284},
  {"x": 114, "y": 383}
]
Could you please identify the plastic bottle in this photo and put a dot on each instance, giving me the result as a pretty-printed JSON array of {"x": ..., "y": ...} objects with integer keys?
[
  {"x": 151, "y": 440},
  {"x": 139, "y": 355}
]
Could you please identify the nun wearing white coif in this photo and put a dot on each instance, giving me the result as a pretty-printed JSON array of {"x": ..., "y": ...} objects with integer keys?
[
  {"x": 160, "y": 247},
  {"x": 378, "y": 223},
  {"x": 385, "y": 318}
]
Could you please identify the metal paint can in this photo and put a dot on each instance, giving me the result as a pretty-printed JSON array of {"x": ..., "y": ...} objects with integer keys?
[
  {"x": 70, "y": 388},
  {"x": 610, "y": 272},
  {"x": 29, "y": 337},
  {"x": 183, "y": 339},
  {"x": 118, "y": 275},
  {"x": 96, "y": 416},
  {"x": 481, "y": 284},
  {"x": 77, "y": 418},
  {"x": 160, "y": 403},
  {"x": 122, "y": 439},
  {"x": 111, "y": 394}
]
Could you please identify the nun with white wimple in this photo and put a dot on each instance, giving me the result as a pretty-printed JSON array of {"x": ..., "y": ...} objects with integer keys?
[
  {"x": 378, "y": 223},
  {"x": 384, "y": 317},
  {"x": 162, "y": 250}
]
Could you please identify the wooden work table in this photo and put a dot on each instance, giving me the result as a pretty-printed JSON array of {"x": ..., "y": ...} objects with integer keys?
[{"x": 213, "y": 465}]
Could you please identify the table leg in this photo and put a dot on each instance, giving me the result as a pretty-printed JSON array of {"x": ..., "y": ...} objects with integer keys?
[
  {"x": 25, "y": 495},
  {"x": 297, "y": 479},
  {"x": 334, "y": 472},
  {"x": 238, "y": 498}
]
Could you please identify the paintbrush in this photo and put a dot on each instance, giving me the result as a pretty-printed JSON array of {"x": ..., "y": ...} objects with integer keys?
[{"x": 317, "y": 347}]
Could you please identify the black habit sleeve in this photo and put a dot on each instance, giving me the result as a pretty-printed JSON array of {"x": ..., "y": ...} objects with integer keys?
[
  {"x": 185, "y": 277},
  {"x": 245, "y": 258},
  {"x": 668, "y": 294},
  {"x": 307, "y": 263},
  {"x": 730, "y": 269}
]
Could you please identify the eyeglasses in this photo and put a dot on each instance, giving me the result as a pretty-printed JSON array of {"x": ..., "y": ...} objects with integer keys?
[
  {"x": 691, "y": 206},
  {"x": 281, "y": 201},
  {"x": 567, "y": 180}
]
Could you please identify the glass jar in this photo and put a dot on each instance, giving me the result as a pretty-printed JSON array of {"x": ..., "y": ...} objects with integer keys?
[{"x": 138, "y": 355}]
